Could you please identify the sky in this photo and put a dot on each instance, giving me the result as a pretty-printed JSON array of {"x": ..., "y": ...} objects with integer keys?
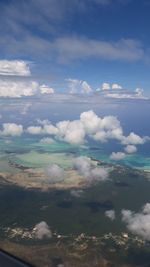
[
  {"x": 62, "y": 49},
  {"x": 75, "y": 46}
]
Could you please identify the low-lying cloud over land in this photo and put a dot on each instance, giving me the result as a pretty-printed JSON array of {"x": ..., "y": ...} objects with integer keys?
[
  {"x": 42, "y": 230},
  {"x": 110, "y": 214},
  {"x": 87, "y": 169},
  {"x": 54, "y": 173},
  {"x": 138, "y": 223}
]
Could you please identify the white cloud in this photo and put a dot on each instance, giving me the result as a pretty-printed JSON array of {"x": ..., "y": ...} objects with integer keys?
[
  {"x": 89, "y": 125},
  {"x": 133, "y": 139},
  {"x": 105, "y": 86},
  {"x": 83, "y": 165},
  {"x": 35, "y": 130},
  {"x": 50, "y": 129},
  {"x": 117, "y": 155},
  {"x": 116, "y": 86},
  {"x": 11, "y": 129},
  {"x": 99, "y": 174},
  {"x": 110, "y": 214},
  {"x": 73, "y": 48},
  {"x": 139, "y": 92},
  {"x": 44, "y": 129},
  {"x": 78, "y": 86},
  {"x": 42, "y": 230},
  {"x": 44, "y": 89},
  {"x": 138, "y": 223},
  {"x": 88, "y": 170},
  {"x": 90, "y": 121},
  {"x": 55, "y": 173},
  {"x": 75, "y": 132},
  {"x": 71, "y": 131},
  {"x": 9, "y": 88},
  {"x": 130, "y": 149},
  {"x": 14, "y": 67},
  {"x": 86, "y": 88},
  {"x": 125, "y": 94}
]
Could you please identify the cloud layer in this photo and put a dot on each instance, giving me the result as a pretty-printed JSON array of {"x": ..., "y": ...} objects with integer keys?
[{"x": 14, "y": 68}]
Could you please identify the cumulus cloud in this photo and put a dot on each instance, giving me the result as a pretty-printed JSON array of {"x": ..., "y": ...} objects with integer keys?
[
  {"x": 138, "y": 223},
  {"x": 42, "y": 230},
  {"x": 86, "y": 88},
  {"x": 78, "y": 86},
  {"x": 44, "y": 89},
  {"x": 139, "y": 92},
  {"x": 92, "y": 126},
  {"x": 9, "y": 88},
  {"x": 46, "y": 128},
  {"x": 14, "y": 68},
  {"x": 71, "y": 131},
  {"x": 34, "y": 130},
  {"x": 116, "y": 86},
  {"x": 106, "y": 86},
  {"x": 87, "y": 169},
  {"x": 133, "y": 139},
  {"x": 117, "y": 155},
  {"x": 55, "y": 173},
  {"x": 110, "y": 214},
  {"x": 130, "y": 149},
  {"x": 11, "y": 129}
]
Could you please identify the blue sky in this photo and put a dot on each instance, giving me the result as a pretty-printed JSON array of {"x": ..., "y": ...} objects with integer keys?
[{"x": 97, "y": 41}]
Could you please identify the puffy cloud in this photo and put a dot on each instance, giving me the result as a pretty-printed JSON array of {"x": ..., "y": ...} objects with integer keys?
[
  {"x": 44, "y": 129},
  {"x": 55, "y": 173},
  {"x": 9, "y": 88},
  {"x": 99, "y": 174},
  {"x": 44, "y": 89},
  {"x": 90, "y": 121},
  {"x": 116, "y": 86},
  {"x": 86, "y": 88},
  {"x": 89, "y": 125},
  {"x": 117, "y": 155},
  {"x": 71, "y": 131},
  {"x": 50, "y": 129},
  {"x": 130, "y": 149},
  {"x": 83, "y": 165},
  {"x": 106, "y": 86},
  {"x": 11, "y": 129},
  {"x": 86, "y": 168},
  {"x": 78, "y": 86},
  {"x": 133, "y": 139},
  {"x": 110, "y": 214},
  {"x": 138, "y": 223},
  {"x": 42, "y": 230},
  {"x": 34, "y": 130},
  {"x": 139, "y": 92},
  {"x": 14, "y": 68}
]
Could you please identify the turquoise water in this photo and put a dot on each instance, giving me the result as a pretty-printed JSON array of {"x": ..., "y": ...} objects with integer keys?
[{"x": 24, "y": 145}]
